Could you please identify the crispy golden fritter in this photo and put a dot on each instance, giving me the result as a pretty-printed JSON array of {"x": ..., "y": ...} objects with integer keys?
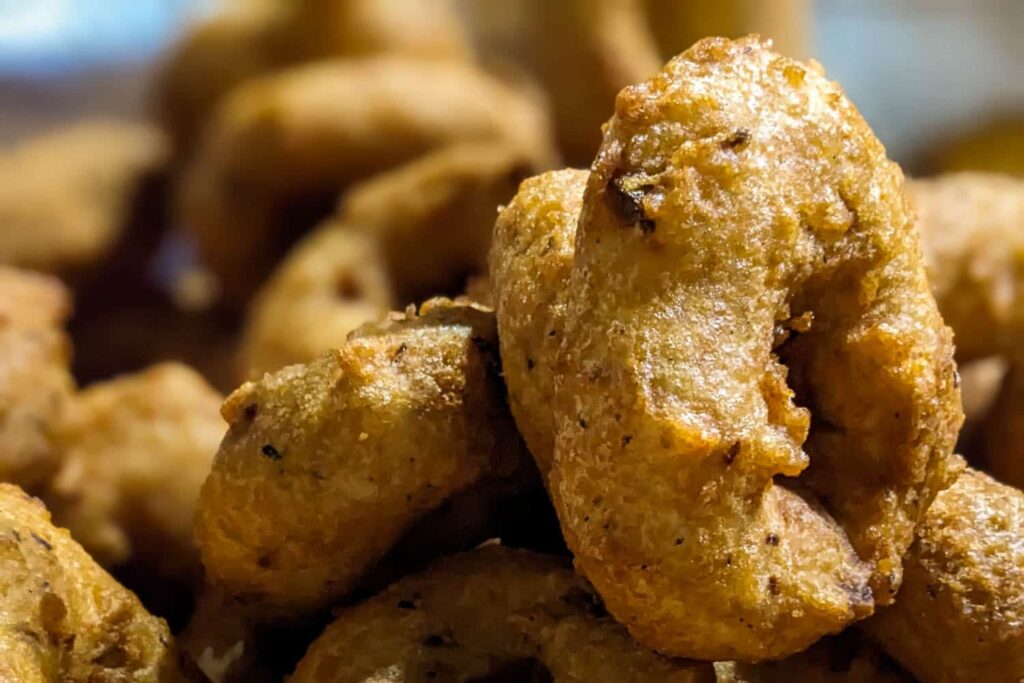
[
  {"x": 1002, "y": 432},
  {"x": 972, "y": 231},
  {"x": 960, "y": 613},
  {"x": 677, "y": 25},
  {"x": 490, "y": 612},
  {"x": 246, "y": 41},
  {"x": 35, "y": 385},
  {"x": 325, "y": 465},
  {"x": 581, "y": 53},
  {"x": 433, "y": 217},
  {"x": 755, "y": 396},
  {"x": 62, "y": 618},
  {"x": 282, "y": 148},
  {"x": 846, "y": 658},
  {"x": 135, "y": 452},
  {"x": 530, "y": 263},
  {"x": 330, "y": 283},
  {"x": 66, "y": 197},
  {"x": 399, "y": 237}
]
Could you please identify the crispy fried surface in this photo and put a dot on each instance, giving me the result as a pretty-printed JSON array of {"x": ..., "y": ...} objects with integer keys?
[
  {"x": 1002, "y": 432},
  {"x": 475, "y": 614},
  {"x": 35, "y": 385},
  {"x": 246, "y": 41},
  {"x": 65, "y": 197},
  {"x": 136, "y": 451},
  {"x": 326, "y": 465},
  {"x": 581, "y": 52},
  {"x": 434, "y": 216},
  {"x": 61, "y": 616},
  {"x": 281, "y": 148},
  {"x": 846, "y": 658},
  {"x": 972, "y": 231},
  {"x": 743, "y": 232},
  {"x": 332, "y": 282},
  {"x": 960, "y": 613},
  {"x": 530, "y": 263}
]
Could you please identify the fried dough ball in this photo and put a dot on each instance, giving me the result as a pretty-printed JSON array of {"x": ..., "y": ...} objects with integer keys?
[
  {"x": 530, "y": 262},
  {"x": 434, "y": 216},
  {"x": 282, "y": 148},
  {"x": 678, "y": 25},
  {"x": 581, "y": 52},
  {"x": 960, "y": 613},
  {"x": 35, "y": 385},
  {"x": 136, "y": 451},
  {"x": 244, "y": 42},
  {"x": 67, "y": 197},
  {"x": 332, "y": 282},
  {"x": 1002, "y": 432},
  {"x": 325, "y": 465},
  {"x": 62, "y": 617},
  {"x": 490, "y": 612},
  {"x": 398, "y": 237},
  {"x": 741, "y": 227},
  {"x": 972, "y": 231}
]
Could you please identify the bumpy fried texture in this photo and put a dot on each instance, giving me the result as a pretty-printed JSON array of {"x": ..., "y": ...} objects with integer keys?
[
  {"x": 332, "y": 282},
  {"x": 960, "y": 613},
  {"x": 35, "y": 385},
  {"x": 325, "y": 465},
  {"x": 434, "y": 216},
  {"x": 678, "y": 25},
  {"x": 1002, "y": 433},
  {"x": 136, "y": 451},
  {"x": 997, "y": 146},
  {"x": 972, "y": 231},
  {"x": 249, "y": 40},
  {"x": 66, "y": 197},
  {"x": 846, "y": 658},
  {"x": 581, "y": 52},
  {"x": 530, "y": 263},
  {"x": 741, "y": 224},
  {"x": 62, "y": 617},
  {"x": 486, "y": 613},
  {"x": 281, "y": 148}
]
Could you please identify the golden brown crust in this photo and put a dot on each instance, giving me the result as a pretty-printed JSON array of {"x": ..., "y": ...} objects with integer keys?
[
  {"x": 35, "y": 385},
  {"x": 959, "y": 616},
  {"x": 475, "y": 614},
  {"x": 247, "y": 41},
  {"x": 972, "y": 231},
  {"x": 62, "y": 617},
  {"x": 135, "y": 452},
  {"x": 742, "y": 224},
  {"x": 1002, "y": 432},
  {"x": 330, "y": 283},
  {"x": 846, "y": 658},
  {"x": 433, "y": 217},
  {"x": 283, "y": 147},
  {"x": 325, "y": 465},
  {"x": 530, "y": 263},
  {"x": 66, "y": 197}
]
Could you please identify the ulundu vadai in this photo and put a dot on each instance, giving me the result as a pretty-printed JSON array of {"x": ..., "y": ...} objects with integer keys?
[
  {"x": 490, "y": 612},
  {"x": 959, "y": 616},
  {"x": 282, "y": 148},
  {"x": 63, "y": 617},
  {"x": 756, "y": 398},
  {"x": 325, "y": 465}
]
